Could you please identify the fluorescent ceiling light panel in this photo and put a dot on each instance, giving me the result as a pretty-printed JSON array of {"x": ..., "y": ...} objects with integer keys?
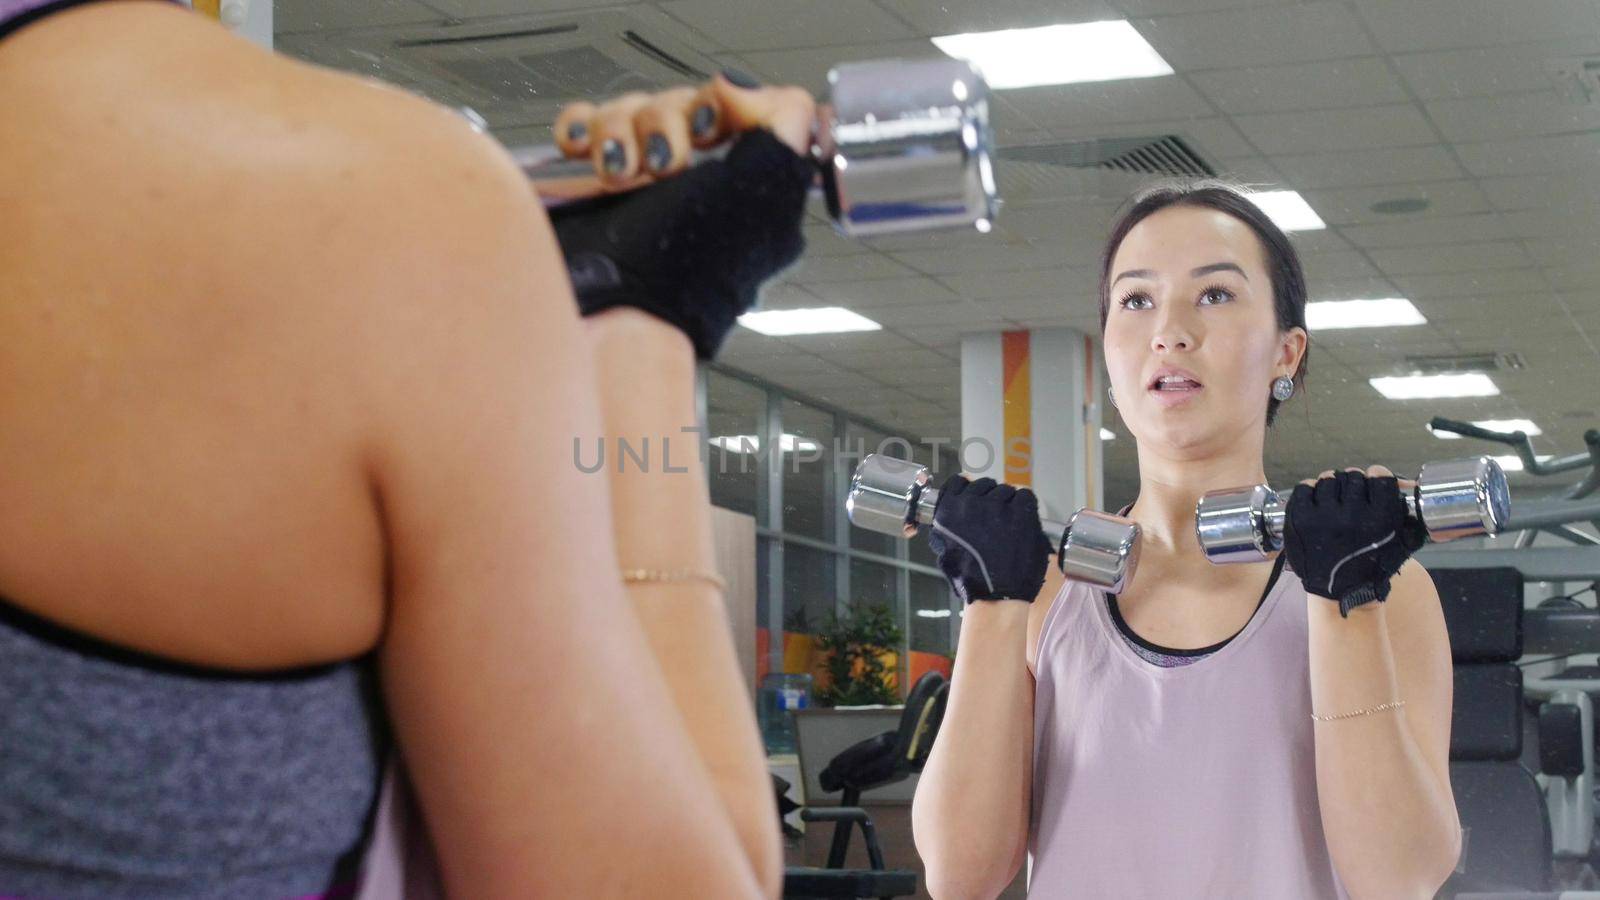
[
  {"x": 934, "y": 613},
  {"x": 1057, "y": 54},
  {"x": 749, "y": 443},
  {"x": 1288, "y": 210},
  {"x": 1504, "y": 425},
  {"x": 1107, "y": 434},
  {"x": 1431, "y": 387},
  {"x": 814, "y": 320},
  {"x": 1383, "y": 313}
]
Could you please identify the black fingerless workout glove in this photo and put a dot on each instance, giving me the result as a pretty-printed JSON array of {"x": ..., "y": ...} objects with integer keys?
[
  {"x": 987, "y": 539},
  {"x": 1348, "y": 535},
  {"x": 694, "y": 248}
]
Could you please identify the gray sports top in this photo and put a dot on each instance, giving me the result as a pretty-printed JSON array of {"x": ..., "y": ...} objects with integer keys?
[{"x": 122, "y": 775}]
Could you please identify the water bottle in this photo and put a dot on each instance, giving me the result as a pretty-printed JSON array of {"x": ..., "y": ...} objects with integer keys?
[{"x": 782, "y": 694}]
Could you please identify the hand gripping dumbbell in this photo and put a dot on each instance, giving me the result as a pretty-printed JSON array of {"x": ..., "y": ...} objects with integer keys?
[
  {"x": 1453, "y": 499},
  {"x": 893, "y": 496},
  {"x": 900, "y": 145}
]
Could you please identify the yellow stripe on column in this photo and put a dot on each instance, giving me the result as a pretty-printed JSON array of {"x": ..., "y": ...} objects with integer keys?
[
  {"x": 1016, "y": 448},
  {"x": 212, "y": 8}
]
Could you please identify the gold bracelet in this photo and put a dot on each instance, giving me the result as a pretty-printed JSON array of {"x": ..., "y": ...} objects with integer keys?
[
  {"x": 1396, "y": 704},
  {"x": 672, "y": 575}
]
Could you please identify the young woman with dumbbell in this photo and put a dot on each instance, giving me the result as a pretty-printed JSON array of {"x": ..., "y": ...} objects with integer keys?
[{"x": 1217, "y": 731}]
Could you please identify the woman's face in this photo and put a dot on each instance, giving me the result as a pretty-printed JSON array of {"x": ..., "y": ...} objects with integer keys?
[{"x": 1190, "y": 291}]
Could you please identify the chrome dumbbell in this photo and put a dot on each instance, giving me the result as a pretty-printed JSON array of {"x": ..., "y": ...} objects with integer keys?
[
  {"x": 900, "y": 145},
  {"x": 893, "y": 496},
  {"x": 1453, "y": 499}
]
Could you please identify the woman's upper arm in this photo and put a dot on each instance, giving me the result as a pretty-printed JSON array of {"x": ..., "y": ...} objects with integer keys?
[
  {"x": 546, "y": 753},
  {"x": 1421, "y": 650},
  {"x": 1040, "y": 610}
]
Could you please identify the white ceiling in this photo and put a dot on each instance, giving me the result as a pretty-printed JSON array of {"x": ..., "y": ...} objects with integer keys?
[{"x": 1350, "y": 103}]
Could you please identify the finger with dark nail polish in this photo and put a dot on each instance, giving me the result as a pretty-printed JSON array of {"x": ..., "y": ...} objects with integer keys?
[
  {"x": 704, "y": 119},
  {"x": 577, "y": 131},
  {"x": 738, "y": 78},
  {"x": 658, "y": 152},
  {"x": 614, "y": 156}
]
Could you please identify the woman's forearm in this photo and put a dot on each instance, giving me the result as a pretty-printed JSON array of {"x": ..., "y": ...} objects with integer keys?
[
  {"x": 662, "y": 520},
  {"x": 970, "y": 813},
  {"x": 1388, "y": 819}
]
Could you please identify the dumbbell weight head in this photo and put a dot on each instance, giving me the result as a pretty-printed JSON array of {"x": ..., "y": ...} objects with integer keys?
[
  {"x": 906, "y": 145},
  {"x": 892, "y": 496},
  {"x": 886, "y": 496},
  {"x": 1463, "y": 497},
  {"x": 901, "y": 145}
]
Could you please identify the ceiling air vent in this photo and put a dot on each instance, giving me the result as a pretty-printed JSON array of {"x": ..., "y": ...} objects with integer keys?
[
  {"x": 518, "y": 72},
  {"x": 1167, "y": 155},
  {"x": 1465, "y": 362}
]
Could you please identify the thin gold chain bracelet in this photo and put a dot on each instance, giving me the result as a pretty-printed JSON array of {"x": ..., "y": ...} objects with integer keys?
[
  {"x": 674, "y": 575},
  {"x": 1393, "y": 704}
]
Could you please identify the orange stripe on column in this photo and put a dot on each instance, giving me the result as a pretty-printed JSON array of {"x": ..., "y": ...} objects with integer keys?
[{"x": 1017, "y": 404}]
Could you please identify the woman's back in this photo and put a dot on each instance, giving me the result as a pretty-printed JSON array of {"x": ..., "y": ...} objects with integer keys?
[
  {"x": 290, "y": 376},
  {"x": 182, "y": 475},
  {"x": 180, "y": 425}
]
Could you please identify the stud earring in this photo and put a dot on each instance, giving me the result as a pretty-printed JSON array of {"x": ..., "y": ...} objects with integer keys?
[{"x": 1282, "y": 388}]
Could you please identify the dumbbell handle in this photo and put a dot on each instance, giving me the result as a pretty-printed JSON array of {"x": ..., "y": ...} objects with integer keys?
[
  {"x": 547, "y": 163},
  {"x": 1274, "y": 512},
  {"x": 892, "y": 496},
  {"x": 928, "y": 499},
  {"x": 1452, "y": 499}
]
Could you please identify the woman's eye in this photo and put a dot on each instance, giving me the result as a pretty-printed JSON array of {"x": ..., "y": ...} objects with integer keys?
[
  {"x": 1223, "y": 293},
  {"x": 1126, "y": 302}
]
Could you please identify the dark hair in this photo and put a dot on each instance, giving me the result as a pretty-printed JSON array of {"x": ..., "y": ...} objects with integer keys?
[{"x": 1283, "y": 264}]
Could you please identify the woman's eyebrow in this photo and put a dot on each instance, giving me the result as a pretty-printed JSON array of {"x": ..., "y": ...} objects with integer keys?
[{"x": 1196, "y": 273}]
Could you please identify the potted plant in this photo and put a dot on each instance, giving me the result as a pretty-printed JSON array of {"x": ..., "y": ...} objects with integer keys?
[{"x": 860, "y": 658}]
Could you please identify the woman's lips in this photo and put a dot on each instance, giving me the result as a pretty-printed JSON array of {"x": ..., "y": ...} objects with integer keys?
[{"x": 1175, "y": 396}]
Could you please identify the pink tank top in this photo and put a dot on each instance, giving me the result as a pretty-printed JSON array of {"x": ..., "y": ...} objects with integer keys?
[{"x": 1193, "y": 781}]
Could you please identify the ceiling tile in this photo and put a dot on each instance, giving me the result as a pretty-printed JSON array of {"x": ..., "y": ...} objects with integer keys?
[
  {"x": 1414, "y": 25},
  {"x": 291, "y": 16},
  {"x": 992, "y": 257},
  {"x": 1450, "y": 258},
  {"x": 1466, "y": 284},
  {"x": 1257, "y": 37},
  {"x": 957, "y": 16},
  {"x": 1572, "y": 196},
  {"x": 820, "y": 270},
  {"x": 1336, "y": 265},
  {"x": 808, "y": 66},
  {"x": 1510, "y": 117},
  {"x": 1331, "y": 84},
  {"x": 1213, "y": 138},
  {"x": 1423, "y": 232},
  {"x": 1489, "y": 72},
  {"x": 884, "y": 292},
  {"x": 1032, "y": 283},
  {"x": 1353, "y": 206},
  {"x": 1277, "y": 134},
  {"x": 793, "y": 23},
  {"x": 1532, "y": 156},
  {"x": 1360, "y": 167},
  {"x": 1109, "y": 102}
]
